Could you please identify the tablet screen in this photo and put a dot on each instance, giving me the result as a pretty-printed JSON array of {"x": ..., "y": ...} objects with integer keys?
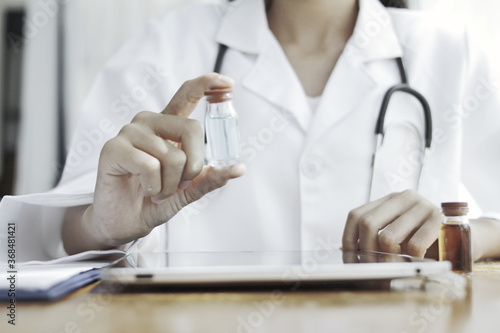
[
  {"x": 268, "y": 258},
  {"x": 272, "y": 267}
]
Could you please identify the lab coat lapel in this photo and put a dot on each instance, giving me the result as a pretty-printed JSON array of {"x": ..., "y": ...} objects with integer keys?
[
  {"x": 373, "y": 39},
  {"x": 274, "y": 79},
  {"x": 244, "y": 28},
  {"x": 344, "y": 91}
]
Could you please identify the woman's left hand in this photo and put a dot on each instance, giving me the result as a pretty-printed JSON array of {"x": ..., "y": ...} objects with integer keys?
[{"x": 402, "y": 222}]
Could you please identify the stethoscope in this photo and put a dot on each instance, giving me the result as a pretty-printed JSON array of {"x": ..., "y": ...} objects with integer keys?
[{"x": 379, "y": 128}]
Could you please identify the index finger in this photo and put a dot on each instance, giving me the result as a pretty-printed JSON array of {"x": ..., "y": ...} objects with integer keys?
[
  {"x": 351, "y": 230},
  {"x": 190, "y": 93}
]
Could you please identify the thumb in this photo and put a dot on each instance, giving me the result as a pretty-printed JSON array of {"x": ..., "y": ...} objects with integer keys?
[{"x": 211, "y": 179}]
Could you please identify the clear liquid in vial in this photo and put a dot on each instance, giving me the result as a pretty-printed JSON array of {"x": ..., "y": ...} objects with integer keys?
[{"x": 223, "y": 140}]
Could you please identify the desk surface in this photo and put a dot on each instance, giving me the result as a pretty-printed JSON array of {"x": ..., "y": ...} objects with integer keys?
[{"x": 89, "y": 310}]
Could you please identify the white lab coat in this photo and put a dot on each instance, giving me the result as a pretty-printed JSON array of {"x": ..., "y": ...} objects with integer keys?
[{"x": 306, "y": 168}]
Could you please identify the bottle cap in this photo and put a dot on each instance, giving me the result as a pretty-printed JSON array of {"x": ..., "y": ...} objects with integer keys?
[
  {"x": 219, "y": 95},
  {"x": 455, "y": 208}
]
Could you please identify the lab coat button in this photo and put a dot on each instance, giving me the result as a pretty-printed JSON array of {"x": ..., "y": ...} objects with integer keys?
[{"x": 311, "y": 168}]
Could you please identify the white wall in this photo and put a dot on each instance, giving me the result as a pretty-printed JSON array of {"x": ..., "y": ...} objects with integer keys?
[{"x": 4, "y": 6}]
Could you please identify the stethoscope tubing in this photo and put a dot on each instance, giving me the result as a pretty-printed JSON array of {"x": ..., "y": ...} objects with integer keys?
[{"x": 404, "y": 87}]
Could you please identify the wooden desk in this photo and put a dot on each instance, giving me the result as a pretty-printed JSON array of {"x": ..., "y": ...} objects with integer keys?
[{"x": 305, "y": 311}]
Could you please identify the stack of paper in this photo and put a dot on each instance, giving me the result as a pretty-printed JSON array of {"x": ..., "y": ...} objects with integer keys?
[{"x": 50, "y": 280}]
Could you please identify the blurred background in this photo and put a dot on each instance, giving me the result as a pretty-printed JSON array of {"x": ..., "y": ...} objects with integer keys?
[{"x": 52, "y": 50}]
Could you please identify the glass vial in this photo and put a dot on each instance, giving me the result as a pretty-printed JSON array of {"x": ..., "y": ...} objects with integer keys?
[
  {"x": 454, "y": 237},
  {"x": 221, "y": 128}
]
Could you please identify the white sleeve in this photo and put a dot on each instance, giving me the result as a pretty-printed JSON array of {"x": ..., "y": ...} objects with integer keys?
[
  {"x": 34, "y": 222},
  {"x": 480, "y": 112}
]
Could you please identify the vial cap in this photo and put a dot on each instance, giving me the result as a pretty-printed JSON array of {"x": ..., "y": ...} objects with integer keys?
[
  {"x": 219, "y": 95},
  {"x": 455, "y": 208}
]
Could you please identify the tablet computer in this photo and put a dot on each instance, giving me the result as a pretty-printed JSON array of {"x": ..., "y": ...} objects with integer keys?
[{"x": 271, "y": 268}]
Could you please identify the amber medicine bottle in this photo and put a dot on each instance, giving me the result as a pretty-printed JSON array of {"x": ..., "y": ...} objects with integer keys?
[
  {"x": 222, "y": 131},
  {"x": 455, "y": 237}
]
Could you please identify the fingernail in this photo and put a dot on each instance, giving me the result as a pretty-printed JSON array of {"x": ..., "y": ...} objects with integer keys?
[
  {"x": 185, "y": 184},
  {"x": 158, "y": 201},
  {"x": 239, "y": 169},
  {"x": 226, "y": 80}
]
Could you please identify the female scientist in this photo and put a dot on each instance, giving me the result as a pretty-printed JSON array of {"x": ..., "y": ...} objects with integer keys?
[{"x": 309, "y": 78}]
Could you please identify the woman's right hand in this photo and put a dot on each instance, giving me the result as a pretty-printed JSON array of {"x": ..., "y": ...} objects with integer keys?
[{"x": 148, "y": 173}]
